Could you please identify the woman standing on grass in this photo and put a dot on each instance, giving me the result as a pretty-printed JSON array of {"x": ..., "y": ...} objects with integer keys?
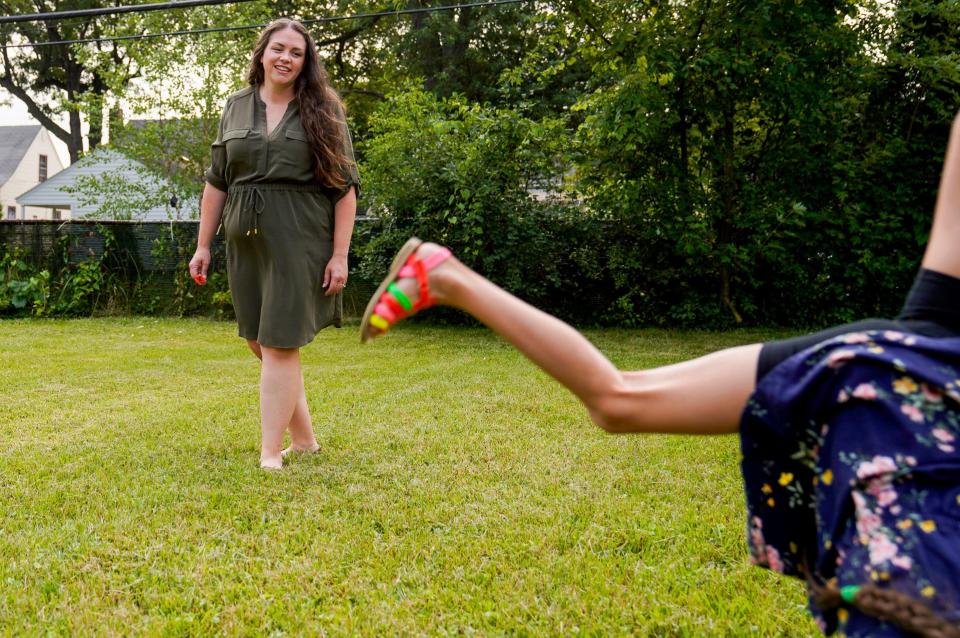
[
  {"x": 850, "y": 437},
  {"x": 283, "y": 183}
]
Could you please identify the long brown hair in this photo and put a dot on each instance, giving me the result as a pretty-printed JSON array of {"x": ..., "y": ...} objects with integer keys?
[{"x": 321, "y": 110}]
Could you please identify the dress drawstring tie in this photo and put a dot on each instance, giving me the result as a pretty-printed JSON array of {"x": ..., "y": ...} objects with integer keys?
[
  {"x": 251, "y": 206},
  {"x": 248, "y": 201}
]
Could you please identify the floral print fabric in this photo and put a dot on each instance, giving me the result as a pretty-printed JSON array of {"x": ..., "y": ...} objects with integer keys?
[{"x": 851, "y": 467}]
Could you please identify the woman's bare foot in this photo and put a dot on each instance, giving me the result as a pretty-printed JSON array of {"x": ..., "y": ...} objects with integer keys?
[
  {"x": 271, "y": 462},
  {"x": 296, "y": 449}
]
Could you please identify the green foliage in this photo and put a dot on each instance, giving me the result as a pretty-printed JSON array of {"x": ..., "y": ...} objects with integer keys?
[
  {"x": 116, "y": 196},
  {"x": 718, "y": 162},
  {"x": 221, "y": 299},
  {"x": 111, "y": 279},
  {"x": 79, "y": 289},
  {"x": 57, "y": 80},
  {"x": 23, "y": 289},
  {"x": 748, "y": 155},
  {"x": 176, "y": 150},
  {"x": 463, "y": 175}
]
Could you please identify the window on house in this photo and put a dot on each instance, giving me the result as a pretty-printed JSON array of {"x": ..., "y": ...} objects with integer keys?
[
  {"x": 11, "y": 212},
  {"x": 43, "y": 168},
  {"x": 56, "y": 214}
]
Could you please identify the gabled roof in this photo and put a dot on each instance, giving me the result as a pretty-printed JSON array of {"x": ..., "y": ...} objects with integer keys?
[
  {"x": 53, "y": 193},
  {"x": 14, "y": 142}
]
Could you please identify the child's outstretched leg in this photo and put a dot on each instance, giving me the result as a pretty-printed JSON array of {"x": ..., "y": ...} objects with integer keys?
[{"x": 705, "y": 396}]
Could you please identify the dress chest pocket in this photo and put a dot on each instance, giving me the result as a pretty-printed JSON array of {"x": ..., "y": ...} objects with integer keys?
[
  {"x": 243, "y": 152},
  {"x": 294, "y": 154}
]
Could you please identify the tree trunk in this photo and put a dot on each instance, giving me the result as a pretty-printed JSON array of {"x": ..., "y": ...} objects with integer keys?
[
  {"x": 728, "y": 200},
  {"x": 683, "y": 176},
  {"x": 430, "y": 49},
  {"x": 75, "y": 145},
  {"x": 74, "y": 88},
  {"x": 7, "y": 82},
  {"x": 455, "y": 51}
]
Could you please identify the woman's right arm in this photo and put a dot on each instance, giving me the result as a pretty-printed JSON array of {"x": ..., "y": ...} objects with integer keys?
[{"x": 211, "y": 207}]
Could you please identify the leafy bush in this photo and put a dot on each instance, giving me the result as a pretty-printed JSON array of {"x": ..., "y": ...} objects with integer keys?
[
  {"x": 99, "y": 269},
  {"x": 464, "y": 175},
  {"x": 23, "y": 289},
  {"x": 641, "y": 252}
]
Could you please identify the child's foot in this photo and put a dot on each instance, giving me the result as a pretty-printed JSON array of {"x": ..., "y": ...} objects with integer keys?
[
  {"x": 418, "y": 278},
  {"x": 296, "y": 449}
]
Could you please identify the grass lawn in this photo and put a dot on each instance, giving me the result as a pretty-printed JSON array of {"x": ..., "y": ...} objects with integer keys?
[{"x": 459, "y": 491}]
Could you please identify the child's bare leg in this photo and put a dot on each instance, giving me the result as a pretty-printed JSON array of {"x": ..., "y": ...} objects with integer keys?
[
  {"x": 943, "y": 254},
  {"x": 703, "y": 396}
]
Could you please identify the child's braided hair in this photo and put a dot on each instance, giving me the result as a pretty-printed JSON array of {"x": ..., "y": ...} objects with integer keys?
[{"x": 888, "y": 605}]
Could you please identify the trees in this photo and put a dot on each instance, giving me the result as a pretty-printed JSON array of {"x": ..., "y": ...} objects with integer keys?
[
  {"x": 768, "y": 159},
  {"x": 58, "y": 79},
  {"x": 758, "y": 161}
]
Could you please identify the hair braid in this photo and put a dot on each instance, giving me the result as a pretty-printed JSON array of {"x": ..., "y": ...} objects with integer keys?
[{"x": 888, "y": 605}]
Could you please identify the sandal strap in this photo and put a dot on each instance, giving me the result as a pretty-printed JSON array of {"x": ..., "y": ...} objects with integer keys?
[
  {"x": 430, "y": 262},
  {"x": 424, "y": 298},
  {"x": 401, "y": 298},
  {"x": 394, "y": 305},
  {"x": 418, "y": 268},
  {"x": 386, "y": 312},
  {"x": 379, "y": 322}
]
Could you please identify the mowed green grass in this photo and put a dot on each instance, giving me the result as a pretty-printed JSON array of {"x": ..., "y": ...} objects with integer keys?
[{"x": 459, "y": 491}]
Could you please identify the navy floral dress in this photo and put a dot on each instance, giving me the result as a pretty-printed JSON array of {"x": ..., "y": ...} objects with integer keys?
[{"x": 851, "y": 466}]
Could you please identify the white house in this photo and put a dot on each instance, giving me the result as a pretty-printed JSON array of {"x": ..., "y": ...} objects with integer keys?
[
  {"x": 124, "y": 189},
  {"x": 27, "y": 158}
]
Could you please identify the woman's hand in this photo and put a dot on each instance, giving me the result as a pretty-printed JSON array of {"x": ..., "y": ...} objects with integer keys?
[
  {"x": 199, "y": 265},
  {"x": 335, "y": 275}
]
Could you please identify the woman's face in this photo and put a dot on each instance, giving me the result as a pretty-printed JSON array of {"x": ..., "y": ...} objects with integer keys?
[{"x": 283, "y": 57}]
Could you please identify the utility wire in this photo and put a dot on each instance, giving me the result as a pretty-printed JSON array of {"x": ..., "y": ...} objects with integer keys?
[
  {"x": 102, "y": 11},
  {"x": 359, "y": 16}
]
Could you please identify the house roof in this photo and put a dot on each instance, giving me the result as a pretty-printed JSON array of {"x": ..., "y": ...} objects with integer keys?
[
  {"x": 14, "y": 142},
  {"x": 55, "y": 192}
]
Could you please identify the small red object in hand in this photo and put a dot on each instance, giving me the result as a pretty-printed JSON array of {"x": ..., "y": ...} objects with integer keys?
[{"x": 200, "y": 279}]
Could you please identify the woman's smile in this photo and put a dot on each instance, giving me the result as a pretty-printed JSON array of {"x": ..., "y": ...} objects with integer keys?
[{"x": 283, "y": 57}]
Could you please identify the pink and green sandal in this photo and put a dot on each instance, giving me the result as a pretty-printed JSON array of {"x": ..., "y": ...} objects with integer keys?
[{"x": 389, "y": 305}]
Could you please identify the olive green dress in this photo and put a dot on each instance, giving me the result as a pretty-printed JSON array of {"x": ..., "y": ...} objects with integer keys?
[{"x": 277, "y": 222}]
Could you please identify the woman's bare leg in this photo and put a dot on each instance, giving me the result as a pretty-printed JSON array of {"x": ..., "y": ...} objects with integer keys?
[
  {"x": 943, "y": 248},
  {"x": 279, "y": 390},
  {"x": 703, "y": 396},
  {"x": 302, "y": 437}
]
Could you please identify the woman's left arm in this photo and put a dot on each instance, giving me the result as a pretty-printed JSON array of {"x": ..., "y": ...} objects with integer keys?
[{"x": 344, "y": 213}]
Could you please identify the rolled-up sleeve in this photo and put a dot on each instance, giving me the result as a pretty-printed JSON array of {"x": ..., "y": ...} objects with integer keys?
[
  {"x": 350, "y": 173},
  {"x": 215, "y": 175}
]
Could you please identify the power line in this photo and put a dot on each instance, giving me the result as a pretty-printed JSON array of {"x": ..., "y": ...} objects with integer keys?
[
  {"x": 358, "y": 16},
  {"x": 101, "y": 11}
]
